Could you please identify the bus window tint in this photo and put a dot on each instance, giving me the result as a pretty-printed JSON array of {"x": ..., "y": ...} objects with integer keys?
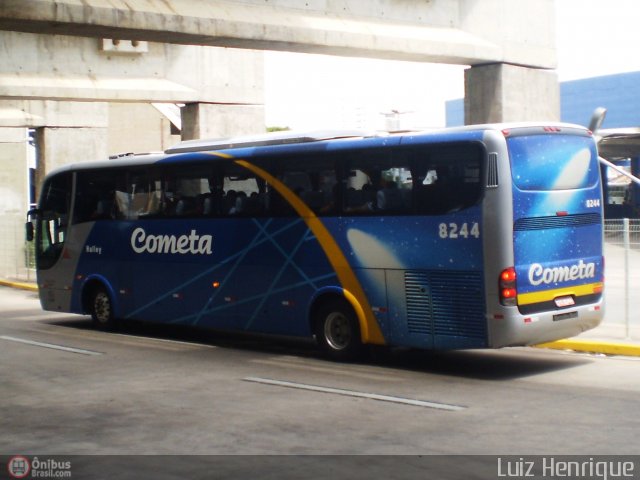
[
  {"x": 141, "y": 196},
  {"x": 243, "y": 194},
  {"x": 95, "y": 195},
  {"x": 311, "y": 179},
  {"x": 446, "y": 179},
  {"x": 189, "y": 190},
  {"x": 378, "y": 183}
]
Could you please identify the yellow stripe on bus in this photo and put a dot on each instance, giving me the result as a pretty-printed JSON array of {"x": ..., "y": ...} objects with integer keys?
[
  {"x": 369, "y": 328},
  {"x": 550, "y": 295}
]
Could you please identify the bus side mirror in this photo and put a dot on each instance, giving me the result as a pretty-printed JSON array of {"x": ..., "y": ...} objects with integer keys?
[
  {"x": 33, "y": 213},
  {"x": 29, "y": 231}
]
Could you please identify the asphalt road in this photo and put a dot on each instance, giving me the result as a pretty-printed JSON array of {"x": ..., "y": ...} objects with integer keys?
[{"x": 66, "y": 389}]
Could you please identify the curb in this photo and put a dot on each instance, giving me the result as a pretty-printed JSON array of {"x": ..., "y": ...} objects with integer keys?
[
  {"x": 21, "y": 285},
  {"x": 594, "y": 346}
]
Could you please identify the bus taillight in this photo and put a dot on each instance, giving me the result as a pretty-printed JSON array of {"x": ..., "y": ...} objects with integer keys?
[{"x": 507, "y": 283}]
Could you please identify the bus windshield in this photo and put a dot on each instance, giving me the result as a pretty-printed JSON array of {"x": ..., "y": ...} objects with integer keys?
[{"x": 553, "y": 162}]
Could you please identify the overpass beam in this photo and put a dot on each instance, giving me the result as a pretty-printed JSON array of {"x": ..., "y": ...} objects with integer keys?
[{"x": 501, "y": 92}]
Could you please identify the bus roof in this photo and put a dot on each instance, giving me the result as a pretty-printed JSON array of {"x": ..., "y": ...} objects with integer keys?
[
  {"x": 293, "y": 138},
  {"x": 267, "y": 139}
]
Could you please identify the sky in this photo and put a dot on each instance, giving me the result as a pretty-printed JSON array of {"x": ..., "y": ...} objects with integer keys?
[{"x": 593, "y": 38}]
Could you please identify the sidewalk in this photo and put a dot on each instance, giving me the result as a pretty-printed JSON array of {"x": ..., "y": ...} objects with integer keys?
[{"x": 598, "y": 340}]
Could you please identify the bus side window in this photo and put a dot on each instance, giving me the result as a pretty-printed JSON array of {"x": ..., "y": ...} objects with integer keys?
[
  {"x": 188, "y": 191},
  {"x": 311, "y": 179},
  {"x": 140, "y": 196},
  {"x": 243, "y": 193},
  {"x": 447, "y": 179},
  {"x": 95, "y": 196},
  {"x": 378, "y": 184}
]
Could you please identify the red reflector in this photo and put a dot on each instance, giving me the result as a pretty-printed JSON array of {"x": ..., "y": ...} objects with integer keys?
[
  {"x": 528, "y": 320},
  {"x": 562, "y": 214},
  {"x": 498, "y": 316}
]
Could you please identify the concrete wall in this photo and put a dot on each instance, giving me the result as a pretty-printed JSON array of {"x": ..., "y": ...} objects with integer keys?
[{"x": 139, "y": 128}]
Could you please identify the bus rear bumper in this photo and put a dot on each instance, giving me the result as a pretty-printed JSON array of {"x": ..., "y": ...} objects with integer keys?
[{"x": 514, "y": 329}]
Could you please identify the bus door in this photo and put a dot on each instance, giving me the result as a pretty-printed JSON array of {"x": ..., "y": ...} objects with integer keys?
[{"x": 557, "y": 222}]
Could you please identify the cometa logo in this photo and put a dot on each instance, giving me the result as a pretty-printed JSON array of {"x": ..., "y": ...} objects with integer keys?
[
  {"x": 193, "y": 243},
  {"x": 539, "y": 275}
]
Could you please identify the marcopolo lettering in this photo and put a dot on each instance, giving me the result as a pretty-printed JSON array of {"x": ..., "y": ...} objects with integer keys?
[
  {"x": 539, "y": 275},
  {"x": 192, "y": 243}
]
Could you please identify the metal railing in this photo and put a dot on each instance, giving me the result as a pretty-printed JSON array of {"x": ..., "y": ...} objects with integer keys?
[{"x": 622, "y": 282}]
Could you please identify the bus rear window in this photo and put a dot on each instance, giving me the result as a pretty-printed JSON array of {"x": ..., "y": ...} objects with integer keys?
[{"x": 553, "y": 162}]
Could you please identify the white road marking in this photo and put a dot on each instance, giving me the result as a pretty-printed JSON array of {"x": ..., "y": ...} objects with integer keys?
[
  {"x": 50, "y": 345},
  {"x": 353, "y": 393}
]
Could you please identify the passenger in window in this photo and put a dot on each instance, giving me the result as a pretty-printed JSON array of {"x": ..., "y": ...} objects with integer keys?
[
  {"x": 389, "y": 197},
  {"x": 366, "y": 201},
  {"x": 238, "y": 207},
  {"x": 103, "y": 209},
  {"x": 331, "y": 206},
  {"x": 230, "y": 202}
]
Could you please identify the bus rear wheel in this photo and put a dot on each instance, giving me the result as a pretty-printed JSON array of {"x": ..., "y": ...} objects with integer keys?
[
  {"x": 102, "y": 310},
  {"x": 337, "y": 331}
]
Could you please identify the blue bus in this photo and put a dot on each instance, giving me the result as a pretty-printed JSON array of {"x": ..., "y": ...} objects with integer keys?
[{"x": 476, "y": 237}]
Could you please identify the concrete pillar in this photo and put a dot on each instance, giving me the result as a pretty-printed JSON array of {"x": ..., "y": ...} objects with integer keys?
[
  {"x": 78, "y": 132},
  {"x": 215, "y": 120},
  {"x": 58, "y": 146},
  {"x": 14, "y": 192},
  {"x": 502, "y": 92}
]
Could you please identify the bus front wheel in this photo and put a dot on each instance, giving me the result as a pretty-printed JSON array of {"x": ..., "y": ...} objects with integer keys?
[
  {"x": 337, "y": 331},
  {"x": 102, "y": 310}
]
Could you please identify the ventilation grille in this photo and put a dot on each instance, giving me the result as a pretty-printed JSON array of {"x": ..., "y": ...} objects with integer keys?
[
  {"x": 492, "y": 171},
  {"x": 543, "y": 223},
  {"x": 445, "y": 303},
  {"x": 419, "y": 308}
]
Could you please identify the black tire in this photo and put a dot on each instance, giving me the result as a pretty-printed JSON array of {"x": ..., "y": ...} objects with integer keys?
[
  {"x": 337, "y": 331},
  {"x": 102, "y": 310}
]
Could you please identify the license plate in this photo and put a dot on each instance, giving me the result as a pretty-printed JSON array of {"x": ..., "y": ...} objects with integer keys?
[{"x": 567, "y": 301}]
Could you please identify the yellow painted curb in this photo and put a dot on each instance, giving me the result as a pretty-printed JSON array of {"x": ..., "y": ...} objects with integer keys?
[
  {"x": 594, "y": 346},
  {"x": 21, "y": 285}
]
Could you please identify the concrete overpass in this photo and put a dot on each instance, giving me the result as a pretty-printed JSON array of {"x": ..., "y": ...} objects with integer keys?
[
  {"x": 66, "y": 64},
  {"x": 510, "y": 45}
]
